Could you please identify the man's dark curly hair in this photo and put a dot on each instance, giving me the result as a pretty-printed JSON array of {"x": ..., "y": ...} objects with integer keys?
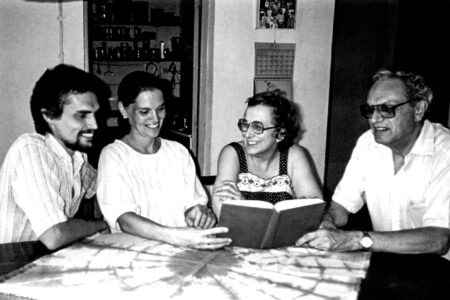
[
  {"x": 286, "y": 115},
  {"x": 53, "y": 87},
  {"x": 415, "y": 86}
]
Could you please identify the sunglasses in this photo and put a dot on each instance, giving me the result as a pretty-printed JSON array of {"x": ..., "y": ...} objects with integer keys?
[
  {"x": 384, "y": 110},
  {"x": 256, "y": 126}
]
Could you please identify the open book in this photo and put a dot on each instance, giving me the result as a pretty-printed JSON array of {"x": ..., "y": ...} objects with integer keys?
[{"x": 262, "y": 225}]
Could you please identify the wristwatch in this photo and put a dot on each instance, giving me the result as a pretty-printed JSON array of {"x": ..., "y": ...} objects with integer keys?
[{"x": 366, "y": 241}]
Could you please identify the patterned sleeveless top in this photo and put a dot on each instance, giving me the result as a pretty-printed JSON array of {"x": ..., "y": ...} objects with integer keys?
[{"x": 273, "y": 190}]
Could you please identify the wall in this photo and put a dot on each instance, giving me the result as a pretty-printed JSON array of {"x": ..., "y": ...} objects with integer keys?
[
  {"x": 364, "y": 39},
  {"x": 233, "y": 62},
  {"x": 29, "y": 39}
]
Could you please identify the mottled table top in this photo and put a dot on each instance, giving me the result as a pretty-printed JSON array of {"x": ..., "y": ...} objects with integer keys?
[{"x": 121, "y": 266}]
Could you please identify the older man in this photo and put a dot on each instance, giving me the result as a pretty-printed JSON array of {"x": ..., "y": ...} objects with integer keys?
[
  {"x": 45, "y": 175},
  {"x": 401, "y": 169}
]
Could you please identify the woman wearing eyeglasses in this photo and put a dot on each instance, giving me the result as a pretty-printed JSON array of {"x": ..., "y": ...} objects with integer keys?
[{"x": 266, "y": 165}]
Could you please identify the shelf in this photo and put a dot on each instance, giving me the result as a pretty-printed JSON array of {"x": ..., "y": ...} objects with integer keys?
[
  {"x": 126, "y": 38},
  {"x": 180, "y": 133},
  {"x": 123, "y": 39},
  {"x": 125, "y": 62},
  {"x": 150, "y": 24}
]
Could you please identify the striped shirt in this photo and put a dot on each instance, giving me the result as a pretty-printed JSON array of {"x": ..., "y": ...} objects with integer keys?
[{"x": 41, "y": 185}]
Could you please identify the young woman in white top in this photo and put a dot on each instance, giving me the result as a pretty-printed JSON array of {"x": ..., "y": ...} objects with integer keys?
[{"x": 147, "y": 185}]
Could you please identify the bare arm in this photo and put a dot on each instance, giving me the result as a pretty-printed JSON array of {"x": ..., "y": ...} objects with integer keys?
[
  {"x": 182, "y": 236},
  {"x": 419, "y": 240},
  {"x": 412, "y": 241},
  {"x": 302, "y": 173},
  {"x": 227, "y": 173},
  {"x": 70, "y": 231}
]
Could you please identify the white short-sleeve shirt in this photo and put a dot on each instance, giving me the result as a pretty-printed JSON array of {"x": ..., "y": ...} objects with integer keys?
[
  {"x": 418, "y": 195},
  {"x": 159, "y": 186}
]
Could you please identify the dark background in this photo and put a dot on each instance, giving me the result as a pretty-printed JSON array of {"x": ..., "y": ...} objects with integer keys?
[{"x": 411, "y": 35}]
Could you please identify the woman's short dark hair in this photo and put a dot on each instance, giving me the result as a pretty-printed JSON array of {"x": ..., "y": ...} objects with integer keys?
[
  {"x": 286, "y": 114},
  {"x": 51, "y": 90},
  {"x": 415, "y": 86},
  {"x": 136, "y": 82}
]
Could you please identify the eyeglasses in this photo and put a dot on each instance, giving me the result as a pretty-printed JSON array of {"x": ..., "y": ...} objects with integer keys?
[
  {"x": 385, "y": 110},
  {"x": 256, "y": 126}
]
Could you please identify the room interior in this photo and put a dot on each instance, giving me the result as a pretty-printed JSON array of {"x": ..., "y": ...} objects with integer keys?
[{"x": 338, "y": 45}]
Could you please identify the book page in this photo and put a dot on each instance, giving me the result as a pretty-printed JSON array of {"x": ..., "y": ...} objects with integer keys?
[
  {"x": 250, "y": 203},
  {"x": 288, "y": 204}
]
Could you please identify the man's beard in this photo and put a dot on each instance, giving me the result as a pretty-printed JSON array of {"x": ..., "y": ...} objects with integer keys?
[{"x": 79, "y": 145}]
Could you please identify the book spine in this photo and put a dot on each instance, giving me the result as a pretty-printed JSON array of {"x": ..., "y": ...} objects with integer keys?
[{"x": 270, "y": 231}]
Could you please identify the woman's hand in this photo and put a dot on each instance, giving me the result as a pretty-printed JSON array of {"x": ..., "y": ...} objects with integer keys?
[
  {"x": 200, "y": 216},
  {"x": 228, "y": 190},
  {"x": 204, "y": 239}
]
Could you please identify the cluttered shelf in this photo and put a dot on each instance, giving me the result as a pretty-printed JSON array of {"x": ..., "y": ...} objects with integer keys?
[{"x": 142, "y": 23}]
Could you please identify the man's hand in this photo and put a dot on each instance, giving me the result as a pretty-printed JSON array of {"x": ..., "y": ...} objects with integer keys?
[
  {"x": 200, "y": 216},
  {"x": 331, "y": 240},
  {"x": 204, "y": 239}
]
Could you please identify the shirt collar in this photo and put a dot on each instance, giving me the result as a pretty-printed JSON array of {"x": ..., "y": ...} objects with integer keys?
[
  {"x": 77, "y": 158},
  {"x": 424, "y": 144}
]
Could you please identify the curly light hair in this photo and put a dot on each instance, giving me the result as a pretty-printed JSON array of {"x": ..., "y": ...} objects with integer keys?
[{"x": 416, "y": 89}]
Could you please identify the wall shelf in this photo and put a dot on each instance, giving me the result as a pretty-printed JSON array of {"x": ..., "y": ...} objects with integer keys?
[{"x": 130, "y": 37}]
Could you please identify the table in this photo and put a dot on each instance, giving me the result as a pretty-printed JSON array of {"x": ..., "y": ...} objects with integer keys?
[
  {"x": 390, "y": 276},
  {"x": 121, "y": 266}
]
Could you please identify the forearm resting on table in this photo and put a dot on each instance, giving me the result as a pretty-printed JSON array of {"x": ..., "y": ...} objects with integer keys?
[
  {"x": 412, "y": 241},
  {"x": 70, "y": 231},
  {"x": 137, "y": 225},
  {"x": 179, "y": 236}
]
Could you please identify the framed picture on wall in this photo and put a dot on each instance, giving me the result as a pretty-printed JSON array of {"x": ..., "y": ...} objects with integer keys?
[
  {"x": 270, "y": 84},
  {"x": 276, "y": 14}
]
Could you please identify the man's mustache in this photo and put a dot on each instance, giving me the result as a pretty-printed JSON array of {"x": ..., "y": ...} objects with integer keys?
[{"x": 86, "y": 131}]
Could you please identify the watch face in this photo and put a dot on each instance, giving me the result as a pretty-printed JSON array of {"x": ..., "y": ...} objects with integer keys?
[{"x": 366, "y": 242}]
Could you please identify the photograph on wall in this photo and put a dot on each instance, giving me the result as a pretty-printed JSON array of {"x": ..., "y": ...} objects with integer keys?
[{"x": 276, "y": 14}]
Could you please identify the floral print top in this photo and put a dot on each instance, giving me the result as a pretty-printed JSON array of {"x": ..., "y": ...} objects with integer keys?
[{"x": 253, "y": 187}]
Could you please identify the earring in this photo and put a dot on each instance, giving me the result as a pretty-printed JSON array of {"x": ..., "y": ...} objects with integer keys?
[
  {"x": 122, "y": 110},
  {"x": 280, "y": 135}
]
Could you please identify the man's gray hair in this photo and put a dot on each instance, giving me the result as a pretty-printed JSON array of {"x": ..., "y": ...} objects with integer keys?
[{"x": 416, "y": 89}]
